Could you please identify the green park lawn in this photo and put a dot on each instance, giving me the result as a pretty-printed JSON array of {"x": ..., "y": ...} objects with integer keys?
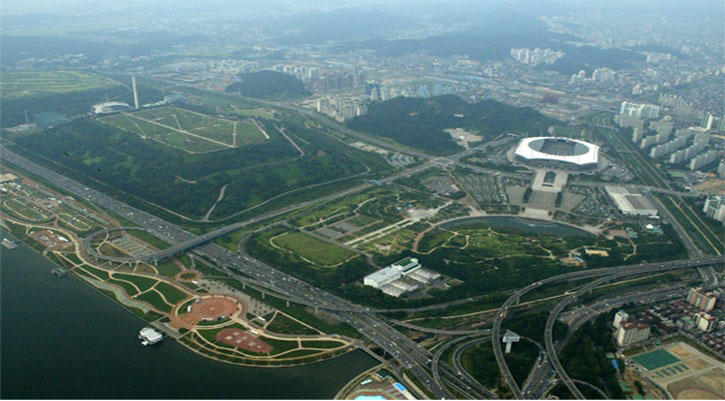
[
  {"x": 313, "y": 249},
  {"x": 21, "y": 84}
]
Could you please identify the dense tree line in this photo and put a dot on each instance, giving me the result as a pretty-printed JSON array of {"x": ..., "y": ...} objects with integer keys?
[
  {"x": 584, "y": 358},
  {"x": 269, "y": 84},
  {"x": 420, "y": 123},
  {"x": 532, "y": 325}
]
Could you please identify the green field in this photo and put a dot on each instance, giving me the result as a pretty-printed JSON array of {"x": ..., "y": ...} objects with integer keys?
[
  {"x": 155, "y": 300},
  {"x": 655, "y": 359},
  {"x": 569, "y": 132},
  {"x": 313, "y": 249},
  {"x": 25, "y": 212},
  {"x": 188, "y": 130},
  {"x": 143, "y": 283},
  {"x": 20, "y": 84},
  {"x": 284, "y": 325},
  {"x": 168, "y": 269},
  {"x": 254, "y": 113},
  {"x": 171, "y": 294}
]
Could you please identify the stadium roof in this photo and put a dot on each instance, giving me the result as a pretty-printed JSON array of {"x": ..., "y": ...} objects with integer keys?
[{"x": 571, "y": 151}]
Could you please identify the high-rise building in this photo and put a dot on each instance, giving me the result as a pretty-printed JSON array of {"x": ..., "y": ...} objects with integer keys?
[
  {"x": 639, "y": 110},
  {"x": 663, "y": 138},
  {"x": 638, "y": 134},
  {"x": 667, "y": 148},
  {"x": 703, "y": 160},
  {"x": 648, "y": 141},
  {"x": 663, "y": 126},
  {"x": 603, "y": 75},
  {"x": 631, "y": 333},
  {"x": 721, "y": 169},
  {"x": 705, "y": 301},
  {"x": 712, "y": 122},
  {"x": 678, "y": 157},
  {"x": 578, "y": 78},
  {"x": 705, "y": 321},
  {"x": 629, "y": 121},
  {"x": 688, "y": 153},
  {"x": 619, "y": 318},
  {"x": 715, "y": 207}
]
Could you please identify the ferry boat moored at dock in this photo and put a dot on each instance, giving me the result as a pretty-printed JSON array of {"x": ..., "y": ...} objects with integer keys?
[
  {"x": 150, "y": 336},
  {"x": 8, "y": 243}
]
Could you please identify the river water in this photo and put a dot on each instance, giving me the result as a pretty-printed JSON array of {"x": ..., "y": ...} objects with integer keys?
[
  {"x": 523, "y": 224},
  {"x": 63, "y": 339}
]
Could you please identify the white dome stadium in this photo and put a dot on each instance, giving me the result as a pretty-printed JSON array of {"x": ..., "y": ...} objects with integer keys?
[{"x": 558, "y": 151}]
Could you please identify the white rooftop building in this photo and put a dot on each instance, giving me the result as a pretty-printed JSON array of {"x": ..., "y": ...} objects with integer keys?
[
  {"x": 400, "y": 277},
  {"x": 631, "y": 203},
  {"x": 382, "y": 277},
  {"x": 109, "y": 107}
]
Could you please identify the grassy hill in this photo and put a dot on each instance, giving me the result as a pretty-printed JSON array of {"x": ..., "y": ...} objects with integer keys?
[
  {"x": 123, "y": 163},
  {"x": 420, "y": 123},
  {"x": 269, "y": 84}
]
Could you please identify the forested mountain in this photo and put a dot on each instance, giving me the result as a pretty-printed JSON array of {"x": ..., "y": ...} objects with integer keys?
[
  {"x": 269, "y": 84},
  {"x": 493, "y": 38},
  {"x": 420, "y": 123}
]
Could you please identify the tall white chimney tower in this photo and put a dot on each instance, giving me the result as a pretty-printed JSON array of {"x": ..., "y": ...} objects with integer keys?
[{"x": 135, "y": 94}]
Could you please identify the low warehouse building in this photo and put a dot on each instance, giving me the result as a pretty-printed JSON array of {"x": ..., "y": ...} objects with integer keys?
[{"x": 631, "y": 202}]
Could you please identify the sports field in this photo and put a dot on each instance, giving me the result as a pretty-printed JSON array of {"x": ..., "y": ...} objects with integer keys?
[
  {"x": 312, "y": 249},
  {"x": 684, "y": 371},
  {"x": 19, "y": 84},
  {"x": 655, "y": 359},
  {"x": 188, "y": 130}
]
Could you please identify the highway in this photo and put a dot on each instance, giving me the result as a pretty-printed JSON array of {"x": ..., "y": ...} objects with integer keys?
[
  {"x": 620, "y": 271},
  {"x": 459, "y": 366},
  {"x": 539, "y": 380},
  {"x": 586, "y": 313},
  {"x": 435, "y": 365},
  {"x": 551, "y": 351}
]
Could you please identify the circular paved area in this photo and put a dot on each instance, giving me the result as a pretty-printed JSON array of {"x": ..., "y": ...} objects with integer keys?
[{"x": 214, "y": 307}]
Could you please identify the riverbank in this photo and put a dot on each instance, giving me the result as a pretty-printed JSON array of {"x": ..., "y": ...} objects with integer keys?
[{"x": 63, "y": 339}]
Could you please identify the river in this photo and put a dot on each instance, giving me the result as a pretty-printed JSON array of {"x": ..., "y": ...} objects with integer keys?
[
  {"x": 522, "y": 224},
  {"x": 63, "y": 339}
]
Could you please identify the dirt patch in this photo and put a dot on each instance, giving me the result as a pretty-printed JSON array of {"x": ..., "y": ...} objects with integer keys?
[
  {"x": 680, "y": 351},
  {"x": 242, "y": 339},
  {"x": 706, "y": 386},
  {"x": 209, "y": 308},
  {"x": 696, "y": 394},
  {"x": 214, "y": 307},
  {"x": 713, "y": 186},
  {"x": 697, "y": 364}
]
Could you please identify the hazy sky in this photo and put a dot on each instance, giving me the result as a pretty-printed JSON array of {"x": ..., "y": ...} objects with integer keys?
[{"x": 86, "y": 7}]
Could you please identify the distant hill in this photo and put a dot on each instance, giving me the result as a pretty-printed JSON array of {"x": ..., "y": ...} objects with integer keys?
[
  {"x": 269, "y": 84},
  {"x": 340, "y": 24},
  {"x": 493, "y": 38},
  {"x": 420, "y": 123}
]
